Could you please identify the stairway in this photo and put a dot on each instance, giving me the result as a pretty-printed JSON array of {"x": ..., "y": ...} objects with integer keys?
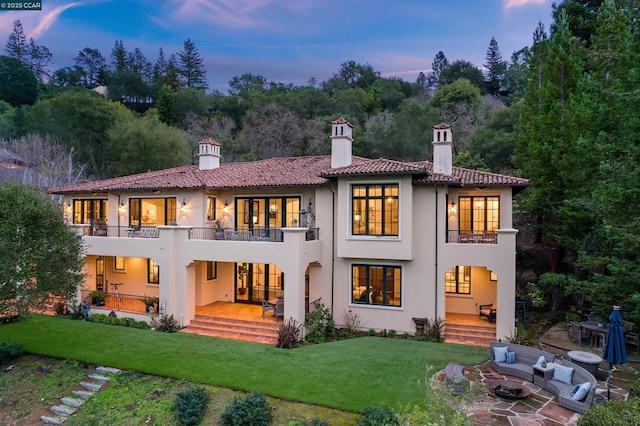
[
  {"x": 233, "y": 328},
  {"x": 468, "y": 334},
  {"x": 69, "y": 405}
]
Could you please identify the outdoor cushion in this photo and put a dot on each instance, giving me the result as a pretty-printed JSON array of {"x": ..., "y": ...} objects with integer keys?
[
  {"x": 580, "y": 391},
  {"x": 500, "y": 354},
  {"x": 541, "y": 360},
  {"x": 562, "y": 374},
  {"x": 511, "y": 357}
]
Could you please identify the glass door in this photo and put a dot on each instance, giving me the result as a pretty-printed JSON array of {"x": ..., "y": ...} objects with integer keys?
[{"x": 258, "y": 281}]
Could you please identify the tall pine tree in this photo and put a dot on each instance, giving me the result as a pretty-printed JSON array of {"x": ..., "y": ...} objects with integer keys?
[
  {"x": 191, "y": 66},
  {"x": 495, "y": 68}
]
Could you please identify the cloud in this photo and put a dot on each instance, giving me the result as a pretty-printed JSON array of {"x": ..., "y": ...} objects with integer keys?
[
  {"x": 49, "y": 19},
  {"x": 519, "y": 3}
]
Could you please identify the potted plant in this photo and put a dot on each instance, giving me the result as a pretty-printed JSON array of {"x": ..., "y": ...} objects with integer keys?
[
  {"x": 100, "y": 228},
  {"x": 98, "y": 297},
  {"x": 218, "y": 230},
  {"x": 243, "y": 269},
  {"x": 150, "y": 303}
]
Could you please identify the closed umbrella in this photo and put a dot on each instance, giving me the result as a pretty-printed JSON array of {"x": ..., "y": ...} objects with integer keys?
[{"x": 615, "y": 351}]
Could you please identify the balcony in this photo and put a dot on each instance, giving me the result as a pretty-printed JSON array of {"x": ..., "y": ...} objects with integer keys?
[
  {"x": 244, "y": 234},
  {"x": 117, "y": 231},
  {"x": 472, "y": 237}
]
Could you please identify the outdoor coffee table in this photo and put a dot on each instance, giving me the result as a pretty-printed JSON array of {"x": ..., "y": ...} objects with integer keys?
[{"x": 586, "y": 360}]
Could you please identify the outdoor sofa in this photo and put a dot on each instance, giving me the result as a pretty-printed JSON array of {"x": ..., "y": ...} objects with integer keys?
[
  {"x": 526, "y": 357},
  {"x": 564, "y": 391}
]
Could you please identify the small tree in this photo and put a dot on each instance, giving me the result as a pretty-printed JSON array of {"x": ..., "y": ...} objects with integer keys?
[{"x": 41, "y": 256}]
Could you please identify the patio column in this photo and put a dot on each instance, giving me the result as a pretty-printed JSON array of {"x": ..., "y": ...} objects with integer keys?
[
  {"x": 177, "y": 285},
  {"x": 506, "y": 293},
  {"x": 294, "y": 265}
]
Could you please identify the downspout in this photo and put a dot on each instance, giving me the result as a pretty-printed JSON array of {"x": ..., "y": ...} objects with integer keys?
[
  {"x": 436, "y": 254},
  {"x": 333, "y": 242}
]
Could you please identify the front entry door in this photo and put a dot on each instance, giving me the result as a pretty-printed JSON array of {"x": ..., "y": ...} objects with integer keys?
[{"x": 258, "y": 281}]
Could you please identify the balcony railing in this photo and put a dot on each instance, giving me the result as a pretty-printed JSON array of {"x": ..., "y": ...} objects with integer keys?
[
  {"x": 118, "y": 231},
  {"x": 235, "y": 234},
  {"x": 472, "y": 237},
  {"x": 119, "y": 302}
]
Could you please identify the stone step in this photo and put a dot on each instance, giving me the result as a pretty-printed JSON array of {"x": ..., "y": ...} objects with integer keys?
[
  {"x": 482, "y": 334},
  {"x": 72, "y": 402},
  {"x": 62, "y": 410},
  {"x": 107, "y": 370},
  {"x": 82, "y": 394},
  {"x": 468, "y": 340},
  {"x": 232, "y": 334},
  {"x": 53, "y": 420},
  {"x": 231, "y": 324},
  {"x": 98, "y": 378},
  {"x": 93, "y": 387}
]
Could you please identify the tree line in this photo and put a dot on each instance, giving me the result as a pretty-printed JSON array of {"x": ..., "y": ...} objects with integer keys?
[{"x": 562, "y": 112}]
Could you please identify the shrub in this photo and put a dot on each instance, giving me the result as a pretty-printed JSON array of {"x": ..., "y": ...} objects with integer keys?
[
  {"x": 9, "y": 351},
  {"x": 76, "y": 311},
  {"x": 521, "y": 337},
  {"x": 320, "y": 324},
  {"x": 434, "y": 329},
  {"x": 573, "y": 317},
  {"x": 139, "y": 324},
  {"x": 352, "y": 321},
  {"x": 634, "y": 391},
  {"x": 168, "y": 324},
  {"x": 375, "y": 416},
  {"x": 60, "y": 309},
  {"x": 253, "y": 410},
  {"x": 371, "y": 332},
  {"x": 191, "y": 404},
  {"x": 315, "y": 422},
  {"x": 405, "y": 335},
  {"x": 391, "y": 333},
  {"x": 612, "y": 413},
  {"x": 98, "y": 318},
  {"x": 289, "y": 334}
]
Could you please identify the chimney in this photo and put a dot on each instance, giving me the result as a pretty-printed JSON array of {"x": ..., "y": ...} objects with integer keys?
[
  {"x": 442, "y": 148},
  {"x": 209, "y": 154},
  {"x": 341, "y": 141}
]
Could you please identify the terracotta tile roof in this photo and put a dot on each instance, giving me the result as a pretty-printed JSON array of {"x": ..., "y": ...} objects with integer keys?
[
  {"x": 380, "y": 166},
  {"x": 442, "y": 126},
  {"x": 285, "y": 172},
  {"x": 342, "y": 120}
]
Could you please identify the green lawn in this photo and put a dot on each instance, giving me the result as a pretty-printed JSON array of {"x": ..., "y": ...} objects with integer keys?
[{"x": 347, "y": 374}]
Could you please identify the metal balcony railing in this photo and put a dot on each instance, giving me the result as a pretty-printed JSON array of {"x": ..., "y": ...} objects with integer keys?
[{"x": 472, "y": 237}]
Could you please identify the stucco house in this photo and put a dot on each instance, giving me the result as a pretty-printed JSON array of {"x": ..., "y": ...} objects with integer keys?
[{"x": 387, "y": 239}]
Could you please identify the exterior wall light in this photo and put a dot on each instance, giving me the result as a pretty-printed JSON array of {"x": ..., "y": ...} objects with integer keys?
[
  {"x": 453, "y": 209},
  {"x": 183, "y": 209}
]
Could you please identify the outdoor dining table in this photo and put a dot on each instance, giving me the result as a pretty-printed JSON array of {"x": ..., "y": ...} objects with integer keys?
[{"x": 595, "y": 330}]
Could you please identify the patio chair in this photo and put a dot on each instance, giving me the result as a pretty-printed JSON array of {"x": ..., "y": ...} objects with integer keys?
[
  {"x": 488, "y": 311},
  {"x": 266, "y": 307},
  {"x": 630, "y": 336}
]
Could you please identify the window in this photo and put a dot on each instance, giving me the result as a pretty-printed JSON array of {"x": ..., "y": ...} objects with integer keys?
[
  {"x": 376, "y": 285},
  {"x": 152, "y": 211},
  {"x": 212, "y": 270},
  {"x": 269, "y": 212},
  {"x": 118, "y": 263},
  {"x": 89, "y": 211},
  {"x": 100, "y": 273},
  {"x": 458, "y": 280},
  {"x": 479, "y": 213},
  {"x": 211, "y": 209},
  {"x": 374, "y": 209},
  {"x": 153, "y": 272}
]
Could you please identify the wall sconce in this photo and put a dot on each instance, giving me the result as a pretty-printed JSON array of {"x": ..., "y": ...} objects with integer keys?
[
  {"x": 357, "y": 218},
  {"x": 225, "y": 209},
  {"x": 255, "y": 220},
  {"x": 183, "y": 209},
  {"x": 121, "y": 207},
  {"x": 452, "y": 209},
  {"x": 273, "y": 208}
]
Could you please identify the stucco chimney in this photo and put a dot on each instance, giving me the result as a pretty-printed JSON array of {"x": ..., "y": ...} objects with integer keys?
[
  {"x": 209, "y": 154},
  {"x": 341, "y": 140},
  {"x": 442, "y": 148}
]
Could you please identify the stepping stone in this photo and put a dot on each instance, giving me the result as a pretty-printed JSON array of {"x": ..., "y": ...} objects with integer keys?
[
  {"x": 72, "y": 402},
  {"x": 53, "y": 420},
  {"x": 98, "y": 378},
  {"x": 62, "y": 410},
  {"x": 93, "y": 387},
  {"x": 82, "y": 394},
  {"x": 107, "y": 370}
]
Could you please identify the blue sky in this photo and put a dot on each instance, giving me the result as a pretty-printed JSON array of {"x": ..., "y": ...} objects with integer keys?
[{"x": 286, "y": 40}]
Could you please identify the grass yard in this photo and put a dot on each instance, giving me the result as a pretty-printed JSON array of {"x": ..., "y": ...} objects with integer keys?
[{"x": 347, "y": 375}]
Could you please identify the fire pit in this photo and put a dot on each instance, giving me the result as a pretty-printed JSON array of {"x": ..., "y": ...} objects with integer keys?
[{"x": 509, "y": 389}]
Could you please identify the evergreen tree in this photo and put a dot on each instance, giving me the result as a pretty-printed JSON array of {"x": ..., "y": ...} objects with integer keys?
[
  {"x": 39, "y": 58},
  {"x": 160, "y": 68},
  {"x": 139, "y": 64},
  {"x": 191, "y": 66},
  {"x": 495, "y": 69},
  {"x": 119, "y": 57},
  {"x": 16, "y": 46},
  {"x": 434, "y": 77},
  {"x": 94, "y": 65}
]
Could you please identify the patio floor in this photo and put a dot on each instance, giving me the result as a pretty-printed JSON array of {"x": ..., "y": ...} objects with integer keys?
[{"x": 540, "y": 408}]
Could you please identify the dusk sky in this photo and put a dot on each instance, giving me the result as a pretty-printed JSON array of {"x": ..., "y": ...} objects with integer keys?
[{"x": 288, "y": 41}]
